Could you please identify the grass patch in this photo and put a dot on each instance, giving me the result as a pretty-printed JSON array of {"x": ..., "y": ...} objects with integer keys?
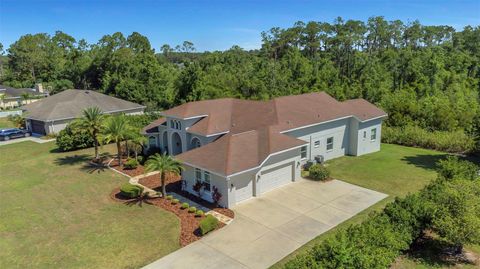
[
  {"x": 5, "y": 123},
  {"x": 57, "y": 214},
  {"x": 394, "y": 170}
]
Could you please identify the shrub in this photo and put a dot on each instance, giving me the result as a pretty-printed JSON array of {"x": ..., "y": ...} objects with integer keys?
[
  {"x": 192, "y": 209},
  {"x": 73, "y": 137},
  {"x": 199, "y": 213},
  {"x": 131, "y": 191},
  {"x": 169, "y": 197},
  {"x": 175, "y": 201},
  {"x": 319, "y": 172},
  {"x": 414, "y": 136},
  {"x": 184, "y": 205},
  {"x": 130, "y": 164},
  {"x": 140, "y": 160},
  {"x": 454, "y": 168},
  {"x": 208, "y": 224}
]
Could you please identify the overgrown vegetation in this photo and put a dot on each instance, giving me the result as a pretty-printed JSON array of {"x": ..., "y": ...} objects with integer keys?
[
  {"x": 426, "y": 76},
  {"x": 131, "y": 191},
  {"x": 449, "y": 206},
  {"x": 208, "y": 224},
  {"x": 318, "y": 172}
]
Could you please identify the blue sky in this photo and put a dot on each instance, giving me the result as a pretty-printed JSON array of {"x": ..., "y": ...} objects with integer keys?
[{"x": 210, "y": 25}]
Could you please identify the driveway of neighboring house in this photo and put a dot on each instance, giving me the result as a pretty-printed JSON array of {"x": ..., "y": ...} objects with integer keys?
[
  {"x": 30, "y": 138},
  {"x": 268, "y": 228}
]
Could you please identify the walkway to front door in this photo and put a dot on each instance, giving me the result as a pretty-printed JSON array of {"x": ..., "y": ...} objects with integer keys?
[{"x": 268, "y": 228}]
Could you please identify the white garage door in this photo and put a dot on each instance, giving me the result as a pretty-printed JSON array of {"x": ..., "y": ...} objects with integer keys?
[
  {"x": 243, "y": 189},
  {"x": 275, "y": 177}
]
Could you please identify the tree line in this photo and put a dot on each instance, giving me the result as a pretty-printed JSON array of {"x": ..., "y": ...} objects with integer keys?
[{"x": 425, "y": 76}]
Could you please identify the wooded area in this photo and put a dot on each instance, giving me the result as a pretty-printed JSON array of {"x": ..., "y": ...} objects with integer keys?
[{"x": 426, "y": 76}]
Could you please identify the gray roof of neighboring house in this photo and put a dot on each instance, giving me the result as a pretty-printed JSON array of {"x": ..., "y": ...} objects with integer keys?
[
  {"x": 11, "y": 92},
  {"x": 71, "y": 103}
]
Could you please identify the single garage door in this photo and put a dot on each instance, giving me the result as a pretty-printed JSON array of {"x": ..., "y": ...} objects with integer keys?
[
  {"x": 275, "y": 177},
  {"x": 243, "y": 189},
  {"x": 38, "y": 127}
]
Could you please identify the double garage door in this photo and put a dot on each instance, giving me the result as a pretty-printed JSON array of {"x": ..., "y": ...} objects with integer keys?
[
  {"x": 37, "y": 127},
  {"x": 269, "y": 179}
]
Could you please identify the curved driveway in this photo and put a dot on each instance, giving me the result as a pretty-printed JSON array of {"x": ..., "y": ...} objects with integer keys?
[{"x": 268, "y": 228}]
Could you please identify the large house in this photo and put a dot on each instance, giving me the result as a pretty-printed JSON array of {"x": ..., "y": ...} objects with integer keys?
[
  {"x": 244, "y": 148},
  {"x": 12, "y": 97},
  {"x": 52, "y": 114}
]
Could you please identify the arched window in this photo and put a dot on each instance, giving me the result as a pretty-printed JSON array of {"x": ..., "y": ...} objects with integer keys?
[{"x": 196, "y": 143}]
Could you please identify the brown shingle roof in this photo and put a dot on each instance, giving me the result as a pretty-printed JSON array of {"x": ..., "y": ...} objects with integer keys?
[
  {"x": 233, "y": 153},
  {"x": 254, "y": 127},
  {"x": 70, "y": 104}
]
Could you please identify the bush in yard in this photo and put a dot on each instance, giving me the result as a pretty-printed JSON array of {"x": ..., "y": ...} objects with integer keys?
[
  {"x": 454, "y": 168},
  {"x": 130, "y": 164},
  {"x": 192, "y": 209},
  {"x": 73, "y": 137},
  {"x": 319, "y": 172},
  {"x": 199, "y": 213},
  {"x": 216, "y": 195},
  {"x": 131, "y": 191},
  {"x": 175, "y": 201},
  {"x": 184, "y": 205},
  {"x": 208, "y": 224},
  {"x": 169, "y": 197},
  {"x": 414, "y": 136}
]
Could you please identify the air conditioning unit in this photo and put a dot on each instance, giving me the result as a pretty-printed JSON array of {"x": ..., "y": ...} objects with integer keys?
[{"x": 319, "y": 158}]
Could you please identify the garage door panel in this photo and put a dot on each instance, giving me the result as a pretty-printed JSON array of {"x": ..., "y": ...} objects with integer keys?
[
  {"x": 275, "y": 177},
  {"x": 243, "y": 190}
]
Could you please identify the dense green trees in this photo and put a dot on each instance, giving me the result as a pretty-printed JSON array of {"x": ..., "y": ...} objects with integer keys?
[{"x": 427, "y": 76}]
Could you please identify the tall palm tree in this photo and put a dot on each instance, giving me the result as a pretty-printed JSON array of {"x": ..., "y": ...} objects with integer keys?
[
  {"x": 92, "y": 121},
  {"x": 2, "y": 99},
  {"x": 164, "y": 164},
  {"x": 25, "y": 97},
  {"x": 116, "y": 129}
]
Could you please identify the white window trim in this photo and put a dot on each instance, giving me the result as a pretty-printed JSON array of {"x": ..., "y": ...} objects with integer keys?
[
  {"x": 306, "y": 153},
  {"x": 371, "y": 133},
  {"x": 209, "y": 179},
  {"x": 315, "y": 144},
  {"x": 326, "y": 145}
]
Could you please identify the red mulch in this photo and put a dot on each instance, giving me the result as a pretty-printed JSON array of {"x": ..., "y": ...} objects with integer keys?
[
  {"x": 174, "y": 185},
  {"x": 189, "y": 223},
  {"x": 140, "y": 170}
]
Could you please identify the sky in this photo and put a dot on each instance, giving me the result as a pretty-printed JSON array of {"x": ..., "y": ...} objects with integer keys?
[{"x": 211, "y": 25}]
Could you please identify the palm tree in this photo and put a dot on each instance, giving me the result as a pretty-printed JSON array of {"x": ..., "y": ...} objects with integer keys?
[
  {"x": 92, "y": 121},
  {"x": 2, "y": 100},
  {"x": 26, "y": 97},
  {"x": 116, "y": 129},
  {"x": 164, "y": 164},
  {"x": 138, "y": 141}
]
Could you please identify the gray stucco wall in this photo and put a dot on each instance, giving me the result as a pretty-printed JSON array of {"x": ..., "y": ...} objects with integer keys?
[
  {"x": 215, "y": 180},
  {"x": 365, "y": 144},
  {"x": 340, "y": 132}
]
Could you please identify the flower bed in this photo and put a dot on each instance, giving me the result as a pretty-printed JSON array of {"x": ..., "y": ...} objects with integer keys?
[{"x": 140, "y": 170}]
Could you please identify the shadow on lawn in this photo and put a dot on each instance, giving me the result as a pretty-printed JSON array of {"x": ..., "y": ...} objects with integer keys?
[
  {"x": 424, "y": 161},
  {"x": 436, "y": 253},
  {"x": 139, "y": 201},
  {"x": 73, "y": 159}
]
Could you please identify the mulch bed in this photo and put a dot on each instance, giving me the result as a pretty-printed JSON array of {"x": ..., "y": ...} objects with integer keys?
[
  {"x": 190, "y": 231},
  {"x": 140, "y": 170}
]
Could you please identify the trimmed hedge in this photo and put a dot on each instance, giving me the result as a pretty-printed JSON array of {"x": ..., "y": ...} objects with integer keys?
[
  {"x": 184, "y": 205},
  {"x": 208, "y": 224},
  {"x": 414, "y": 136},
  {"x": 131, "y": 191},
  {"x": 74, "y": 137},
  {"x": 199, "y": 213},
  {"x": 192, "y": 209},
  {"x": 318, "y": 172}
]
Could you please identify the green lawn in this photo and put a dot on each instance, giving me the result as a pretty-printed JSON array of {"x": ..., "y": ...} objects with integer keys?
[
  {"x": 5, "y": 123},
  {"x": 394, "y": 170},
  {"x": 56, "y": 213}
]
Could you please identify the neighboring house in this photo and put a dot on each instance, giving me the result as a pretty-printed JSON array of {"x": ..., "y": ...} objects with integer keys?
[
  {"x": 12, "y": 97},
  {"x": 52, "y": 114},
  {"x": 245, "y": 148}
]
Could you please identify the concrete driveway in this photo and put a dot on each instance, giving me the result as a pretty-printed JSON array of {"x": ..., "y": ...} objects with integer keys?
[
  {"x": 23, "y": 139},
  {"x": 268, "y": 228}
]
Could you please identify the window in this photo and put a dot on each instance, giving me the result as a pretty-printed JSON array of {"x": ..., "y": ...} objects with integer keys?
[
  {"x": 373, "y": 134},
  {"x": 198, "y": 174},
  {"x": 303, "y": 152},
  {"x": 175, "y": 124},
  {"x": 196, "y": 143},
  {"x": 179, "y": 127},
  {"x": 316, "y": 144},
  {"x": 206, "y": 180},
  {"x": 364, "y": 134},
  {"x": 330, "y": 143},
  {"x": 152, "y": 141}
]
